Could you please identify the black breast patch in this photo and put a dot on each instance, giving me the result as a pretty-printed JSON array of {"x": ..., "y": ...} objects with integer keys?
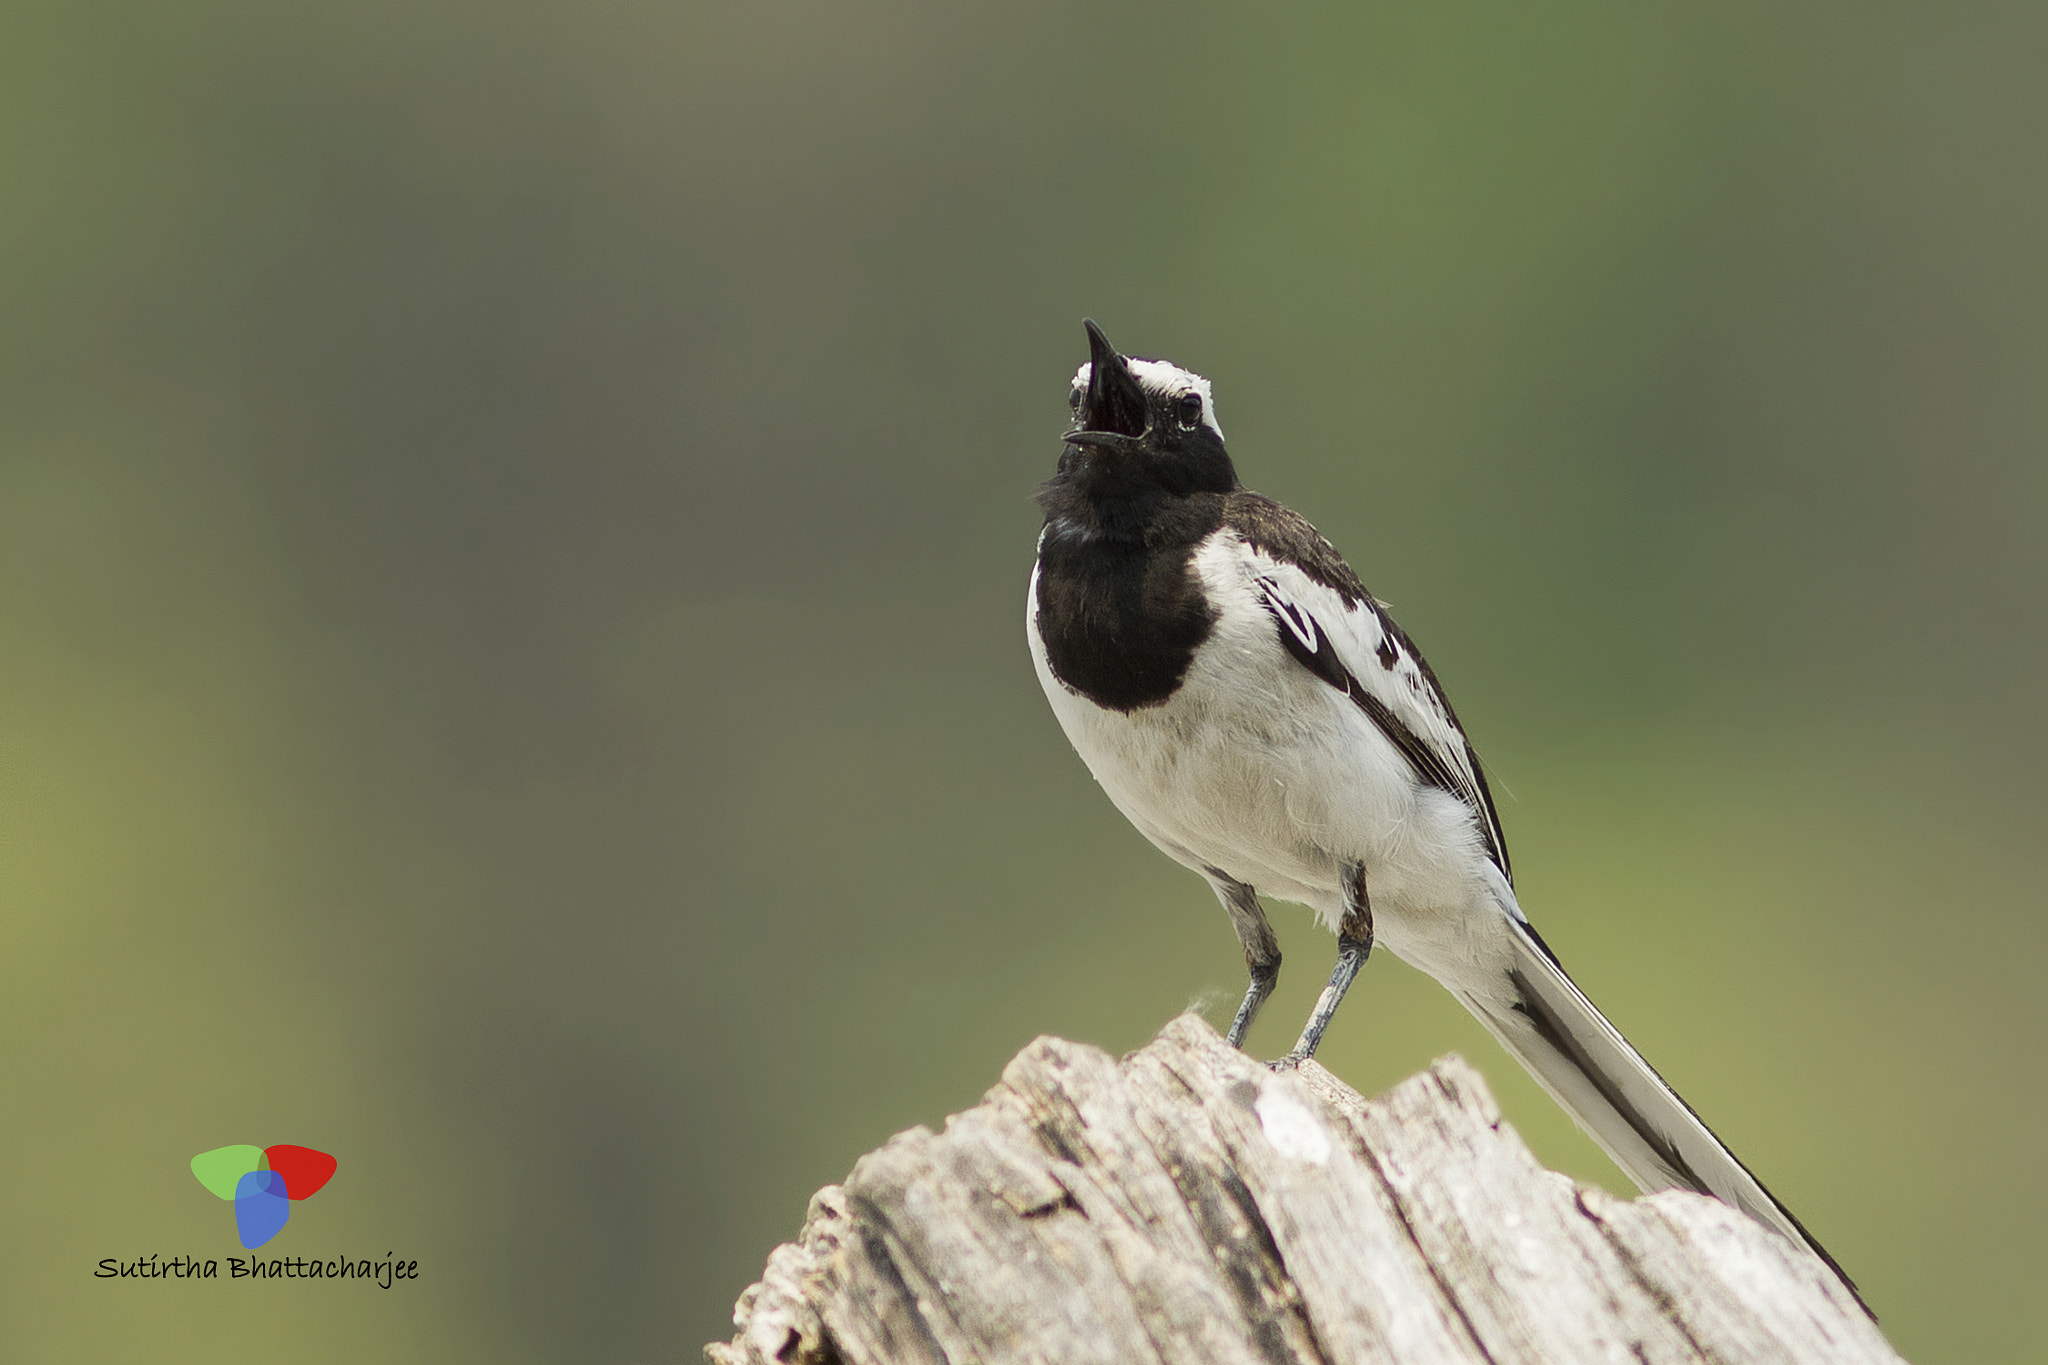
[{"x": 1121, "y": 619}]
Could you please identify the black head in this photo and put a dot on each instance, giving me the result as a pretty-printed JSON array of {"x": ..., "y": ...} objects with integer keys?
[{"x": 1142, "y": 424}]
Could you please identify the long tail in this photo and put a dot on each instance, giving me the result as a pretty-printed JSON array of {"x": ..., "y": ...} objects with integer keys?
[{"x": 1621, "y": 1102}]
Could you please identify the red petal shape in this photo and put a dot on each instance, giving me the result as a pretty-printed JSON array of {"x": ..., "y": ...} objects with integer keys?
[{"x": 304, "y": 1170}]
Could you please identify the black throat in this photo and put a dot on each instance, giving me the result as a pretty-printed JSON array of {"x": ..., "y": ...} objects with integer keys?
[{"x": 1119, "y": 607}]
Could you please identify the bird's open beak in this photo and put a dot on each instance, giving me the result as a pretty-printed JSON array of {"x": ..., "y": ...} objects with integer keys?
[{"x": 1113, "y": 413}]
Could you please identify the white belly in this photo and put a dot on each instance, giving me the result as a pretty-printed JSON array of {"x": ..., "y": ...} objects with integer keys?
[{"x": 1257, "y": 769}]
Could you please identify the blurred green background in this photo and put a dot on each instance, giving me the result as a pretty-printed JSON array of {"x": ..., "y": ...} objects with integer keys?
[{"x": 513, "y": 530}]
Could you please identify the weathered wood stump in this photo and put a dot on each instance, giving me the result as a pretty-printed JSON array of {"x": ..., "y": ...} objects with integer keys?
[{"x": 1190, "y": 1205}]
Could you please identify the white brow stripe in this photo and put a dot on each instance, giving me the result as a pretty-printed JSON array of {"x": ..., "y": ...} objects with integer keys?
[{"x": 1163, "y": 379}]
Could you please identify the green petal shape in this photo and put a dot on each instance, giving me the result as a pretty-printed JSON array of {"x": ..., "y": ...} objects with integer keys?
[{"x": 221, "y": 1168}]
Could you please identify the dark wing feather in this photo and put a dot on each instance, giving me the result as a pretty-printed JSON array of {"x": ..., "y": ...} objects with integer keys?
[{"x": 1335, "y": 629}]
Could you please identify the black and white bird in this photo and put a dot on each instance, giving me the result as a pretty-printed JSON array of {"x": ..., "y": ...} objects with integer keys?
[{"x": 1251, "y": 708}]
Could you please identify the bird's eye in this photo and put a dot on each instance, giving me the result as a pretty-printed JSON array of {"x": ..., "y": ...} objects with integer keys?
[
  {"x": 1187, "y": 410},
  {"x": 1074, "y": 398}
]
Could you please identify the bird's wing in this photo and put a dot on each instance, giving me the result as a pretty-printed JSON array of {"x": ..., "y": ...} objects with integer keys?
[
  {"x": 1331, "y": 624},
  {"x": 1335, "y": 629}
]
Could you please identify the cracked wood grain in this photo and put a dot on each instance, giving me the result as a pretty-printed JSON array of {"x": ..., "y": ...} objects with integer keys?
[{"x": 1187, "y": 1204}]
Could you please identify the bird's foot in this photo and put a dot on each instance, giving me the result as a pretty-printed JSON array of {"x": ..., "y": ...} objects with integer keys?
[{"x": 1291, "y": 1062}]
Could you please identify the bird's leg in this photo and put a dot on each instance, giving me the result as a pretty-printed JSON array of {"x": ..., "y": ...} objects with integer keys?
[
  {"x": 1261, "y": 949},
  {"x": 1354, "y": 946}
]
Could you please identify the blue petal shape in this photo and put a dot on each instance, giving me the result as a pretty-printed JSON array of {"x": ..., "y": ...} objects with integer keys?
[{"x": 261, "y": 1207}]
